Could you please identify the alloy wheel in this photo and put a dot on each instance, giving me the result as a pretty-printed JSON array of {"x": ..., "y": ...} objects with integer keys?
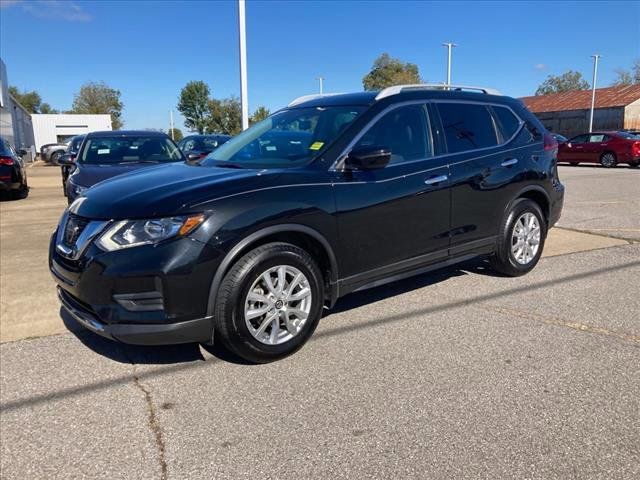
[{"x": 525, "y": 239}]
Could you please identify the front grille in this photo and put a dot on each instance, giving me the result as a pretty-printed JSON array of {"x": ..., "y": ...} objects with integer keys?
[{"x": 73, "y": 228}]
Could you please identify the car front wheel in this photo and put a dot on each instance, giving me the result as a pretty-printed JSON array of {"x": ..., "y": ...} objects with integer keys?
[
  {"x": 269, "y": 303},
  {"x": 608, "y": 160},
  {"x": 520, "y": 240}
]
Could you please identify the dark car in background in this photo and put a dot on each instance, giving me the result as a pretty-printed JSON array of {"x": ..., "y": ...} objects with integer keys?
[
  {"x": 606, "y": 148},
  {"x": 331, "y": 195},
  {"x": 196, "y": 147},
  {"x": 69, "y": 158},
  {"x": 103, "y": 155},
  {"x": 13, "y": 176}
]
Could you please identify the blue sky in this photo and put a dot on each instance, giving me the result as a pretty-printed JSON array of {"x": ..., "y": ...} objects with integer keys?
[{"x": 150, "y": 50}]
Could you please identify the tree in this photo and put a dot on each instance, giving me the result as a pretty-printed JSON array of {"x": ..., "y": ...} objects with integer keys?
[
  {"x": 177, "y": 134},
  {"x": 628, "y": 77},
  {"x": 566, "y": 82},
  {"x": 99, "y": 98},
  {"x": 387, "y": 71},
  {"x": 29, "y": 100},
  {"x": 46, "y": 108},
  {"x": 194, "y": 105},
  {"x": 259, "y": 114},
  {"x": 224, "y": 116}
]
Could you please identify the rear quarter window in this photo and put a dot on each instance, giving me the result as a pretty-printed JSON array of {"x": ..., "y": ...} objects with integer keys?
[
  {"x": 467, "y": 126},
  {"x": 507, "y": 122}
]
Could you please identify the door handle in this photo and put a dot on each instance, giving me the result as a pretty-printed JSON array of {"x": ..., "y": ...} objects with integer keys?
[
  {"x": 508, "y": 163},
  {"x": 434, "y": 180}
]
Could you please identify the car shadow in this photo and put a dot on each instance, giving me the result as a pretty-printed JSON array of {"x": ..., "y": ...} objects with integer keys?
[{"x": 191, "y": 352}]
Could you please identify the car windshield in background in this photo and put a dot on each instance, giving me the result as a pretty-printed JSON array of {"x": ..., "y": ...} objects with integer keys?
[
  {"x": 285, "y": 139},
  {"x": 129, "y": 149},
  {"x": 210, "y": 143},
  {"x": 629, "y": 135}
]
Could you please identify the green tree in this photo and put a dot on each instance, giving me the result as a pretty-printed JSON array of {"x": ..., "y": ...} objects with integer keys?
[
  {"x": 628, "y": 77},
  {"x": 387, "y": 71},
  {"x": 566, "y": 82},
  {"x": 177, "y": 134},
  {"x": 259, "y": 114},
  {"x": 224, "y": 116},
  {"x": 46, "y": 108},
  {"x": 99, "y": 98},
  {"x": 29, "y": 100},
  {"x": 194, "y": 105}
]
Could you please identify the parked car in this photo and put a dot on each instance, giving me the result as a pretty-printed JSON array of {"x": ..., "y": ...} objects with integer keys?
[
  {"x": 13, "y": 175},
  {"x": 196, "y": 147},
  {"x": 606, "y": 148},
  {"x": 330, "y": 195},
  {"x": 51, "y": 152},
  {"x": 106, "y": 154},
  {"x": 559, "y": 138},
  {"x": 68, "y": 158}
]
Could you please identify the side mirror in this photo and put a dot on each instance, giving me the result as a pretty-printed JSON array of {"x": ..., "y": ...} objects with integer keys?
[
  {"x": 368, "y": 158},
  {"x": 193, "y": 157},
  {"x": 67, "y": 159}
]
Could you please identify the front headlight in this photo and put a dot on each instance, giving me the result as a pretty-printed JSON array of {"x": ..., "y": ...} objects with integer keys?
[{"x": 133, "y": 233}]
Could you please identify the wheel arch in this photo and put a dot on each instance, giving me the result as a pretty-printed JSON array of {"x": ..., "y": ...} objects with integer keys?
[
  {"x": 538, "y": 195},
  {"x": 300, "y": 235}
]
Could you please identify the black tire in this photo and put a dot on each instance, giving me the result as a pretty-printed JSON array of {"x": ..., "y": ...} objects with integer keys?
[
  {"x": 634, "y": 164},
  {"x": 22, "y": 192},
  {"x": 608, "y": 160},
  {"x": 574, "y": 164},
  {"x": 55, "y": 156},
  {"x": 229, "y": 323},
  {"x": 503, "y": 260}
]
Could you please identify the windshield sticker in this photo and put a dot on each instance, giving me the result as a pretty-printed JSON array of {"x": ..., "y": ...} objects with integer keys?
[
  {"x": 316, "y": 145},
  {"x": 102, "y": 151}
]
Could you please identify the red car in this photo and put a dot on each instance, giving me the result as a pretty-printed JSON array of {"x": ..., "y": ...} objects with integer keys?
[{"x": 606, "y": 148}]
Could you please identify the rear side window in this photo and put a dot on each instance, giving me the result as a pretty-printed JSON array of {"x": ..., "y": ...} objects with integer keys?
[
  {"x": 467, "y": 126},
  {"x": 599, "y": 138},
  {"x": 508, "y": 122}
]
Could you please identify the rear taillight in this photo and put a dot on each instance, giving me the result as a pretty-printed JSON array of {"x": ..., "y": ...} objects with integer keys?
[
  {"x": 550, "y": 143},
  {"x": 4, "y": 160},
  {"x": 635, "y": 149}
]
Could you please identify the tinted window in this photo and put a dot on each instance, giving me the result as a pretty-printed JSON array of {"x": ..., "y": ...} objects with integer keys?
[
  {"x": 509, "y": 123},
  {"x": 580, "y": 139},
  {"x": 467, "y": 126},
  {"x": 129, "y": 149},
  {"x": 404, "y": 131}
]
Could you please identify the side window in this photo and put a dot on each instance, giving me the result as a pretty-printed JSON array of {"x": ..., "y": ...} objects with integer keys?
[
  {"x": 181, "y": 144},
  {"x": 467, "y": 126},
  {"x": 598, "y": 138},
  {"x": 404, "y": 131},
  {"x": 509, "y": 123},
  {"x": 580, "y": 139},
  {"x": 188, "y": 145}
]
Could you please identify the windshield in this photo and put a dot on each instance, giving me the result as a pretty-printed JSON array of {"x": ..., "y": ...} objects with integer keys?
[
  {"x": 285, "y": 139},
  {"x": 129, "y": 149}
]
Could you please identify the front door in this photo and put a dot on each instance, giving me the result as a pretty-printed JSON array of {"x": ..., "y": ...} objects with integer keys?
[{"x": 397, "y": 217}]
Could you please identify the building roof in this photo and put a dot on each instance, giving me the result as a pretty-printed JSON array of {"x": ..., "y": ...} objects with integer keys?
[{"x": 581, "y": 99}]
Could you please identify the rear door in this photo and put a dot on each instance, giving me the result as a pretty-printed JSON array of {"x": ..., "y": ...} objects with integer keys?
[
  {"x": 574, "y": 149},
  {"x": 595, "y": 146},
  {"x": 488, "y": 151},
  {"x": 397, "y": 217}
]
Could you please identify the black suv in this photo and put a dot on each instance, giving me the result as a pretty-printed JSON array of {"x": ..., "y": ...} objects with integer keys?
[{"x": 332, "y": 194}]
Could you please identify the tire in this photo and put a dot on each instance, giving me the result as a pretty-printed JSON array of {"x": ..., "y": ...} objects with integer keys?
[
  {"x": 504, "y": 260},
  {"x": 634, "y": 164},
  {"x": 267, "y": 344},
  {"x": 574, "y": 164},
  {"x": 55, "y": 156},
  {"x": 22, "y": 192},
  {"x": 608, "y": 160}
]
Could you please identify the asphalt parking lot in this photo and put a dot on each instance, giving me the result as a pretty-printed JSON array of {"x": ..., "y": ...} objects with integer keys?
[{"x": 456, "y": 374}]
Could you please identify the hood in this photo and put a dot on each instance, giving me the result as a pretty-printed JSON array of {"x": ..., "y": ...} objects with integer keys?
[
  {"x": 87, "y": 175},
  {"x": 165, "y": 190}
]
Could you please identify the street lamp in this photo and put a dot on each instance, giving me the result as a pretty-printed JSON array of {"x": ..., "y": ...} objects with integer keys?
[
  {"x": 593, "y": 89},
  {"x": 243, "y": 65},
  {"x": 321, "y": 80},
  {"x": 449, "y": 46}
]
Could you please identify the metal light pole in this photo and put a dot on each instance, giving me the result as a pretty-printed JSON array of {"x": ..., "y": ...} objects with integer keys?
[
  {"x": 593, "y": 89},
  {"x": 171, "y": 123},
  {"x": 243, "y": 65},
  {"x": 449, "y": 46},
  {"x": 320, "y": 79}
]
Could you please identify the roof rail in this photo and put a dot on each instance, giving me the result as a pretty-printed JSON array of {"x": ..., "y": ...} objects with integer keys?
[
  {"x": 306, "y": 98},
  {"x": 396, "y": 89}
]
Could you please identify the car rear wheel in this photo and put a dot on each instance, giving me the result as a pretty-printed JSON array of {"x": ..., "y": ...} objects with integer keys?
[
  {"x": 520, "y": 240},
  {"x": 608, "y": 160},
  {"x": 269, "y": 303},
  {"x": 55, "y": 156},
  {"x": 634, "y": 164}
]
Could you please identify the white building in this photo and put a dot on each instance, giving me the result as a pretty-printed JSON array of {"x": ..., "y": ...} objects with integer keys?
[{"x": 59, "y": 128}]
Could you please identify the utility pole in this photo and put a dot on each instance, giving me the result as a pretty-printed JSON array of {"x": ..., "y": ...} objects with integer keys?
[
  {"x": 243, "y": 65},
  {"x": 449, "y": 46},
  {"x": 593, "y": 89},
  {"x": 321, "y": 80},
  {"x": 171, "y": 124}
]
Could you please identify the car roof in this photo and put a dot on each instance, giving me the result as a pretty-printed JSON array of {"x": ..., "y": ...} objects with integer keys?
[
  {"x": 127, "y": 133},
  {"x": 208, "y": 135}
]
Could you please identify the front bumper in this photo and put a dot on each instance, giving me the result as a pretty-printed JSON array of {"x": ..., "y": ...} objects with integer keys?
[{"x": 147, "y": 295}]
